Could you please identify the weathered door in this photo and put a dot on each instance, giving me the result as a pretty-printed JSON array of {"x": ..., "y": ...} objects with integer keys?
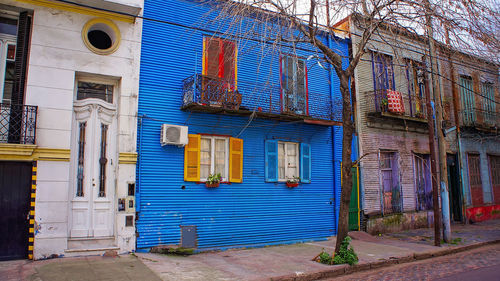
[
  {"x": 495, "y": 177},
  {"x": 94, "y": 135},
  {"x": 476, "y": 186},
  {"x": 15, "y": 184},
  {"x": 454, "y": 188},
  {"x": 354, "y": 204}
]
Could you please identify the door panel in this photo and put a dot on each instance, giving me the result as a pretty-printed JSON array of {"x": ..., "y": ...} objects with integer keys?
[
  {"x": 476, "y": 186},
  {"x": 92, "y": 208},
  {"x": 15, "y": 186}
]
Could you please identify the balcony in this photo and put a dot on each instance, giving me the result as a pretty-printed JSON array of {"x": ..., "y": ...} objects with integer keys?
[
  {"x": 215, "y": 95},
  {"x": 17, "y": 123},
  {"x": 480, "y": 119},
  {"x": 395, "y": 109}
]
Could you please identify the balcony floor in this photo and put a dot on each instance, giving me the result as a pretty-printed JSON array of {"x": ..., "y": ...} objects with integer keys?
[{"x": 284, "y": 117}]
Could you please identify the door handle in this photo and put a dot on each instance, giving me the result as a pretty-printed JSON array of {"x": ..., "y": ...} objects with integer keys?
[{"x": 93, "y": 182}]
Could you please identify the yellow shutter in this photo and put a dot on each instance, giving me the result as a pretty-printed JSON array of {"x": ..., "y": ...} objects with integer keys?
[
  {"x": 235, "y": 160},
  {"x": 192, "y": 158}
]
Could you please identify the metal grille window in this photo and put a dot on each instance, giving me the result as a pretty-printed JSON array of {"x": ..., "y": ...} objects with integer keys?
[
  {"x": 81, "y": 160},
  {"x": 467, "y": 100},
  {"x": 87, "y": 90},
  {"x": 383, "y": 72},
  {"x": 214, "y": 157},
  {"x": 488, "y": 93},
  {"x": 288, "y": 160},
  {"x": 475, "y": 179},
  {"x": 391, "y": 190},
  {"x": 103, "y": 161},
  {"x": 423, "y": 183},
  {"x": 415, "y": 78}
]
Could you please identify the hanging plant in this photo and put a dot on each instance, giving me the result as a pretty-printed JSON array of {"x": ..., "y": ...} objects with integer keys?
[{"x": 213, "y": 180}]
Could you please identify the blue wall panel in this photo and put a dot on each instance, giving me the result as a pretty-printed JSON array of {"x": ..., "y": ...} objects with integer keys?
[{"x": 250, "y": 213}]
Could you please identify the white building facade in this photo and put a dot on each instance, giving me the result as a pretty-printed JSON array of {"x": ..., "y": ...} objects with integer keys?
[{"x": 68, "y": 126}]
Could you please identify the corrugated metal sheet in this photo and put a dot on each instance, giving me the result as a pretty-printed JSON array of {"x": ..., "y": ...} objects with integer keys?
[{"x": 250, "y": 213}]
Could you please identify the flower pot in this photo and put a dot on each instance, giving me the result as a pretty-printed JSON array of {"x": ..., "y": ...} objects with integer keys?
[
  {"x": 292, "y": 184},
  {"x": 214, "y": 184}
]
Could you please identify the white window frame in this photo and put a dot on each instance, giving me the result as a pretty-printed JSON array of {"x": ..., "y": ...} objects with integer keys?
[
  {"x": 212, "y": 156},
  {"x": 297, "y": 159}
]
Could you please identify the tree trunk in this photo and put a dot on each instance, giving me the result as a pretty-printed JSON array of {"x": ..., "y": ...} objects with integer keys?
[{"x": 346, "y": 186}]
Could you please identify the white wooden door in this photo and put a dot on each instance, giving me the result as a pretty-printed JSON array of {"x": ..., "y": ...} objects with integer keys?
[{"x": 93, "y": 165}]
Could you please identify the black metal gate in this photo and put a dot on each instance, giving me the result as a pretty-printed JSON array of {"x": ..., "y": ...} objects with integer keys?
[{"x": 15, "y": 186}]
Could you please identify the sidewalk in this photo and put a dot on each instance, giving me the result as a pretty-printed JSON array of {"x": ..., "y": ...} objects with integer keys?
[
  {"x": 288, "y": 262},
  {"x": 293, "y": 262}
]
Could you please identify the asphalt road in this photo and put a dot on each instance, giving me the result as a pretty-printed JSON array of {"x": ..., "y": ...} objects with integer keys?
[{"x": 482, "y": 264}]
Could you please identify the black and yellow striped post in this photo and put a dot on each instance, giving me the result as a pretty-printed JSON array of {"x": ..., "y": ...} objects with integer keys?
[{"x": 31, "y": 234}]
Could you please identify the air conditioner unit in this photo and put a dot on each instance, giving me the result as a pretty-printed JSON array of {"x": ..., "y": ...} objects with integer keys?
[{"x": 173, "y": 134}]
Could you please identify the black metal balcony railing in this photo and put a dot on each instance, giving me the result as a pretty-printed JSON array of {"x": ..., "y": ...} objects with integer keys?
[
  {"x": 219, "y": 95},
  {"x": 17, "y": 123},
  {"x": 476, "y": 117},
  {"x": 412, "y": 106}
]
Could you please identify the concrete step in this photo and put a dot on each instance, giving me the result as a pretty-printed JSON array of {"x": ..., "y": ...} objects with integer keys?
[
  {"x": 91, "y": 243},
  {"x": 90, "y": 246}
]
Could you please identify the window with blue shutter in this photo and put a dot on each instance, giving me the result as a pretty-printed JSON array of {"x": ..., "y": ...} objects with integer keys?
[
  {"x": 282, "y": 161},
  {"x": 271, "y": 169},
  {"x": 305, "y": 163}
]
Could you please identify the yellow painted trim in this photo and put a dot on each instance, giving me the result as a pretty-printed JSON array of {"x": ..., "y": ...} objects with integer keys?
[
  {"x": 109, "y": 23},
  {"x": 127, "y": 158},
  {"x": 80, "y": 10},
  {"x": 203, "y": 59},
  {"x": 28, "y": 152}
]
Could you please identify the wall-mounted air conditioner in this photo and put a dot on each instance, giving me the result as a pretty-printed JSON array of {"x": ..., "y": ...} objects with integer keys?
[{"x": 173, "y": 134}]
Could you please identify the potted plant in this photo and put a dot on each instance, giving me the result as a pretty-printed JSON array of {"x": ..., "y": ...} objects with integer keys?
[
  {"x": 293, "y": 182},
  {"x": 384, "y": 103},
  {"x": 213, "y": 180}
]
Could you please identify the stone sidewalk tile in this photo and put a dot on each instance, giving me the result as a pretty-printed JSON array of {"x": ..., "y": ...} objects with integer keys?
[
  {"x": 95, "y": 268},
  {"x": 294, "y": 262}
]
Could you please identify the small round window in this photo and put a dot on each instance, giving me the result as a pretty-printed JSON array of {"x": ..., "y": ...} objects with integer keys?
[{"x": 101, "y": 36}]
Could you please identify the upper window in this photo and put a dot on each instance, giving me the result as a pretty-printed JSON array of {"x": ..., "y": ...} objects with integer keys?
[
  {"x": 205, "y": 155},
  {"x": 219, "y": 59},
  {"x": 88, "y": 90},
  {"x": 8, "y": 79},
  {"x": 287, "y": 160},
  {"x": 467, "y": 100},
  {"x": 294, "y": 85},
  {"x": 383, "y": 72},
  {"x": 214, "y": 157},
  {"x": 415, "y": 79},
  {"x": 488, "y": 93}
]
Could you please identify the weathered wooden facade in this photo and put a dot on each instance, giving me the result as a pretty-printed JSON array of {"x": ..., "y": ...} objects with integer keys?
[
  {"x": 391, "y": 123},
  {"x": 470, "y": 87}
]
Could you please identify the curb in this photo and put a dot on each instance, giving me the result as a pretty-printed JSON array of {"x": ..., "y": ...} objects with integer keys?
[{"x": 340, "y": 270}]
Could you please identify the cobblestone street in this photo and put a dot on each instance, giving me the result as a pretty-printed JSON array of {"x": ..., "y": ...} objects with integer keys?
[{"x": 437, "y": 268}]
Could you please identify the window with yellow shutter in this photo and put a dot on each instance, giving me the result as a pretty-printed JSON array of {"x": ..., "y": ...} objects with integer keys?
[{"x": 206, "y": 155}]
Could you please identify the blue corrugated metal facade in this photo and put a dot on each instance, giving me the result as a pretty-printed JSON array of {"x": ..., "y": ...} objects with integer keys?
[{"x": 254, "y": 212}]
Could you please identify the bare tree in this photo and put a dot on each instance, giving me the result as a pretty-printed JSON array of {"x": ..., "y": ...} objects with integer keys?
[{"x": 276, "y": 22}]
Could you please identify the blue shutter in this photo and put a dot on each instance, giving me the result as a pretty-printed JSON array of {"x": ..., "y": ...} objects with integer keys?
[
  {"x": 271, "y": 169},
  {"x": 305, "y": 163}
]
